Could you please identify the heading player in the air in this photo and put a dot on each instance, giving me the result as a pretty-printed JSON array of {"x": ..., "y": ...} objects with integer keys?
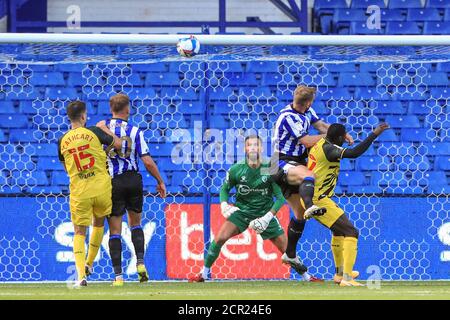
[
  {"x": 291, "y": 141},
  {"x": 127, "y": 189},
  {"x": 84, "y": 159},
  {"x": 254, "y": 206},
  {"x": 324, "y": 160}
]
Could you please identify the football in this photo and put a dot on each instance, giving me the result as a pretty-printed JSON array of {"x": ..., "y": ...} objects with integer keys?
[{"x": 188, "y": 47}]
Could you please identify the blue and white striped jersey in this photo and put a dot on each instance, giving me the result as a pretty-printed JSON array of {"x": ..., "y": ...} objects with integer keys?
[
  {"x": 133, "y": 147},
  {"x": 290, "y": 127}
]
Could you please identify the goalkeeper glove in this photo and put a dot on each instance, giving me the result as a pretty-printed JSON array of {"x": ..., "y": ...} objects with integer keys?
[
  {"x": 227, "y": 210},
  {"x": 261, "y": 224}
]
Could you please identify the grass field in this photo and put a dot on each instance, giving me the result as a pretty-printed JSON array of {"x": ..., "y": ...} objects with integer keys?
[{"x": 259, "y": 290}]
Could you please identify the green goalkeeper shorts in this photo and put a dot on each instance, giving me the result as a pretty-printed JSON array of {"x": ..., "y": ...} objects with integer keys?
[{"x": 242, "y": 220}]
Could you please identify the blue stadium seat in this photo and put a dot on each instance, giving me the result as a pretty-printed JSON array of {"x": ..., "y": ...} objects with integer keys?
[
  {"x": 396, "y": 148},
  {"x": 434, "y": 79},
  {"x": 48, "y": 189},
  {"x": 349, "y": 15},
  {"x": 364, "y": 4},
  {"x": 77, "y": 80},
  {"x": 356, "y": 79},
  {"x": 224, "y": 108},
  {"x": 404, "y": 4},
  {"x": 341, "y": 67},
  {"x": 391, "y": 178},
  {"x": 45, "y": 149},
  {"x": 263, "y": 66},
  {"x": 368, "y": 93},
  {"x": 191, "y": 107},
  {"x": 439, "y": 189},
  {"x": 436, "y": 27},
  {"x": 403, "y": 121},
  {"x": 412, "y": 163},
  {"x": 334, "y": 93},
  {"x": 351, "y": 178},
  {"x": 24, "y": 135},
  {"x": 142, "y": 93},
  {"x": 401, "y": 93},
  {"x": 392, "y": 15},
  {"x": 226, "y": 66},
  {"x": 240, "y": 79},
  {"x": 435, "y": 149},
  {"x": 347, "y": 107},
  {"x": 61, "y": 93},
  {"x": 320, "y": 108},
  {"x": 439, "y": 92},
  {"x": 13, "y": 121},
  {"x": 7, "y": 107},
  {"x": 364, "y": 189},
  {"x": 404, "y": 27},
  {"x": 103, "y": 108},
  {"x": 437, "y": 4},
  {"x": 47, "y": 79},
  {"x": 2, "y": 136},
  {"x": 417, "y": 135},
  {"x": 447, "y": 14},
  {"x": 388, "y": 136},
  {"x": 330, "y": 4},
  {"x": 220, "y": 122},
  {"x": 70, "y": 67},
  {"x": 437, "y": 121},
  {"x": 172, "y": 93},
  {"x": 389, "y": 107},
  {"x": 429, "y": 177},
  {"x": 418, "y": 108},
  {"x": 423, "y": 15},
  {"x": 271, "y": 79},
  {"x": 152, "y": 67},
  {"x": 59, "y": 178},
  {"x": 23, "y": 178},
  {"x": 149, "y": 181},
  {"x": 442, "y": 163},
  {"x": 11, "y": 190},
  {"x": 162, "y": 79},
  {"x": 161, "y": 150},
  {"x": 255, "y": 93},
  {"x": 443, "y": 66},
  {"x": 373, "y": 163},
  {"x": 363, "y": 122},
  {"x": 49, "y": 163},
  {"x": 347, "y": 165}
]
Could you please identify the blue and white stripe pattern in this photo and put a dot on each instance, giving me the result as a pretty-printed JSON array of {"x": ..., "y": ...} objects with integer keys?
[
  {"x": 118, "y": 163},
  {"x": 290, "y": 127}
]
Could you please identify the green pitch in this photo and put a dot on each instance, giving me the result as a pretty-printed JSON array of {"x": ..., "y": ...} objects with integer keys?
[{"x": 242, "y": 290}]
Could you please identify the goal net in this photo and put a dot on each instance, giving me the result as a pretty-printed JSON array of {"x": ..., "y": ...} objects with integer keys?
[{"x": 195, "y": 113}]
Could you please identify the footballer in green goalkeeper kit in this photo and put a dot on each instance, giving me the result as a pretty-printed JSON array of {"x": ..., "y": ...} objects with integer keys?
[{"x": 255, "y": 208}]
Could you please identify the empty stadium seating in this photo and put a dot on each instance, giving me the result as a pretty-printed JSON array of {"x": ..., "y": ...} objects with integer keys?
[{"x": 397, "y": 17}]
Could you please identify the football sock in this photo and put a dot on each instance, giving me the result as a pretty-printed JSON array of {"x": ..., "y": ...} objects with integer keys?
[
  {"x": 295, "y": 231},
  {"x": 337, "y": 243},
  {"x": 95, "y": 242},
  {"x": 213, "y": 254},
  {"x": 306, "y": 191},
  {"x": 137, "y": 237},
  {"x": 115, "y": 251},
  {"x": 350, "y": 251},
  {"x": 306, "y": 276},
  {"x": 79, "y": 251},
  {"x": 205, "y": 272}
]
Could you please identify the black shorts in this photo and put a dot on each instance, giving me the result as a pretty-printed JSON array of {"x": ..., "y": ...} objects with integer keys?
[
  {"x": 281, "y": 164},
  {"x": 127, "y": 193}
]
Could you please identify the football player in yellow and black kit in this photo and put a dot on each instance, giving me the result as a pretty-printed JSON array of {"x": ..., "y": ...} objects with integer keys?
[
  {"x": 324, "y": 160},
  {"x": 81, "y": 151}
]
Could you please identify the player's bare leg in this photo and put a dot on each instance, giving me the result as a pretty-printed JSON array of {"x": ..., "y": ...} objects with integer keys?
[
  {"x": 304, "y": 178},
  {"x": 137, "y": 237},
  {"x": 115, "y": 248},
  {"x": 80, "y": 254},
  {"x": 227, "y": 231},
  {"x": 95, "y": 241}
]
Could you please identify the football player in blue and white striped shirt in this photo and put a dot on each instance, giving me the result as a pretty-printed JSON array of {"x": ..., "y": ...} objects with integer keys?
[
  {"x": 127, "y": 189},
  {"x": 291, "y": 141}
]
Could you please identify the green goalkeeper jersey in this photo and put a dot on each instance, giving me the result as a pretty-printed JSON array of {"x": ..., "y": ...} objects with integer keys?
[{"x": 254, "y": 191}]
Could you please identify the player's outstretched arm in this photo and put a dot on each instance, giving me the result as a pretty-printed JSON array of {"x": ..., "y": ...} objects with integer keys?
[
  {"x": 364, "y": 145},
  {"x": 309, "y": 141},
  {"x": 152, "y": 168}
]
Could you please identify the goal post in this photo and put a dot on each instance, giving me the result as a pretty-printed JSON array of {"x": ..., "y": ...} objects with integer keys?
[{"x": 195, "y": 113}]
